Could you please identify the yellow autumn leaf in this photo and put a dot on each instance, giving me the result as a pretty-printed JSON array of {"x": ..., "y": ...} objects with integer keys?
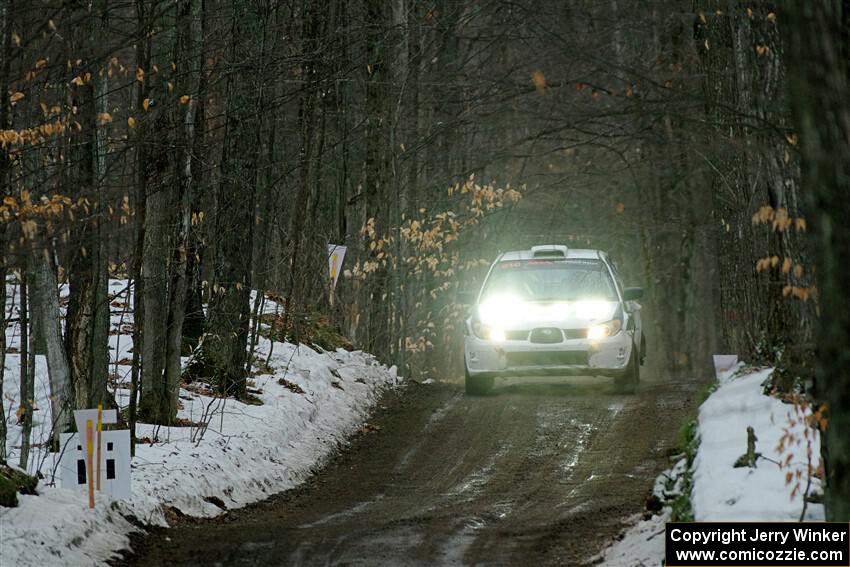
[
  {"x": 40, "y": 63},
  {"x": 184, "y": 99},
  {"x": 104, "y": 117},
  {"x": 77, "y": 81},
  {"x": 15, "y": 97},
  {"x": 538, "y": 79},
  {"x": 146, "y": 103},
  {"x": 131, "y": 122},
  {"x": 786, "y": 265},
  {"x": 140, "y": 75}
]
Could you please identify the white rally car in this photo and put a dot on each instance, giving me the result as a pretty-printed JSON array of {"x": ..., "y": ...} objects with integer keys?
[{"x": 552, "y": 310}]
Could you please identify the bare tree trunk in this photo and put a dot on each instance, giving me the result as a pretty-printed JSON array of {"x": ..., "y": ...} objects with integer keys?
[
  {"x": 224, "y": 343},
  {"x": 306, "y": 121},
  {"x": 82, "y": 268},
  {"x": 6, "y": 49},
  {"x": 101, "y": 309},
  {"x": 26, "y": 384},
  {"x": 154, "y": 395},
  {"x": 45, "y": 312},
  {"x": 193, "y": 320},
  {"x": 185, "y": 183},
  {"x": 143, "y": 55},
  {"x": 3, "y": 333},
  {"x": 819, "y": 53}
]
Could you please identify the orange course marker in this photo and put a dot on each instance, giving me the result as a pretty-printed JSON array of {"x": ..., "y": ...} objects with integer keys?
[
  {"x": 99, "y": 429},
  {"x": 89, "y": 452}
]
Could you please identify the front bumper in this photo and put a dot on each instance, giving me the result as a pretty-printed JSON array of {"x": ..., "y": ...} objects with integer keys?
[{"x": 573, "y": 357}]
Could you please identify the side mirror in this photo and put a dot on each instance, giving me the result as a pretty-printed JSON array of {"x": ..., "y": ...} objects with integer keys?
[
  {"x": 466, "y": 297},
  {"x": 632, "y": 293}
]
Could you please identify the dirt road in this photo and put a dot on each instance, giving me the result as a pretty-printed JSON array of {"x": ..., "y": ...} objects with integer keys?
[{"x": 532, "y": 475}]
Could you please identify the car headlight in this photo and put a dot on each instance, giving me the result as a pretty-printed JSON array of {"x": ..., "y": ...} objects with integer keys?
[
  {"x": 603, "y": 330},
  {"x": 487, "y": 332}
]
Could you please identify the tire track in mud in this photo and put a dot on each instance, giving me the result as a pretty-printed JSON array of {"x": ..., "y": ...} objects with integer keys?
[{"x": 534, "y": 474}]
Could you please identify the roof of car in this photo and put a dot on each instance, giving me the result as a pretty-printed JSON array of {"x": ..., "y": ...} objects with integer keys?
[{"x": 572, "y": 253}]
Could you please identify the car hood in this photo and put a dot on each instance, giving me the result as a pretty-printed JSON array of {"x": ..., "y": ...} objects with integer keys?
[{"x": 512, "y": 314}]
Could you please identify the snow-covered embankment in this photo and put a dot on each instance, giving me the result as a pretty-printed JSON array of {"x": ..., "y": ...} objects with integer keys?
[
  {"x": 311, "y": 402},
  {"x": 722, "y": 492}
]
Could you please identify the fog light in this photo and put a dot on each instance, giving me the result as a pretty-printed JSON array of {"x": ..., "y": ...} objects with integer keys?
[
  {"x": 488, "y": 333},
  {"x": 608, "y": 329}
]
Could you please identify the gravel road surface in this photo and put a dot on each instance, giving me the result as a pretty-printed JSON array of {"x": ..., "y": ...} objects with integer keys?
[{"x": 535, "y": 474}]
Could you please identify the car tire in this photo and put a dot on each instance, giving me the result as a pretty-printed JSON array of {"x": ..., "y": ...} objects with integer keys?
[
  {"x": 476, "y": 385},
  {"x": 627, "y": 382}
]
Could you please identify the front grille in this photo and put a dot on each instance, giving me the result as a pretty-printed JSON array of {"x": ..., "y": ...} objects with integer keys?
[
  {"x": 575, "y": 334},
  {"x": 516, "y": 335},
  {"x": 546, "y": 335},
  {"x": 554, "y": 358}
]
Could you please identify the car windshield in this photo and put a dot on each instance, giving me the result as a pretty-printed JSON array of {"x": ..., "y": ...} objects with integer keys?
[{"x": 551, "y": 280}]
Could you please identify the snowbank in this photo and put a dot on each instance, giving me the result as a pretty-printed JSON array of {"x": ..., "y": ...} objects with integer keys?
[
  {"x": 641, "y": 546},
  {"x": 246, "y": 453},
  {"x": 722, "y": 492}
]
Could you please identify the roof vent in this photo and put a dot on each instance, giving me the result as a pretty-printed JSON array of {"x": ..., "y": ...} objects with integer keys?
[{"x": 549, "y": 251}]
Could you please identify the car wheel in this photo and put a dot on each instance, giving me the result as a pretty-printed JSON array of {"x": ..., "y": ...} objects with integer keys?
[
  {"x": 627, "y": 382},
  {"x": 476, "y": 385}
]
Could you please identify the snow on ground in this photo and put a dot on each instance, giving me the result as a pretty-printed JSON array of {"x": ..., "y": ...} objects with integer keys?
[
  {"x": 641, "y": 546},
  {"x": 722, "y": 492},
  {"x": 245, "y": 454}
]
